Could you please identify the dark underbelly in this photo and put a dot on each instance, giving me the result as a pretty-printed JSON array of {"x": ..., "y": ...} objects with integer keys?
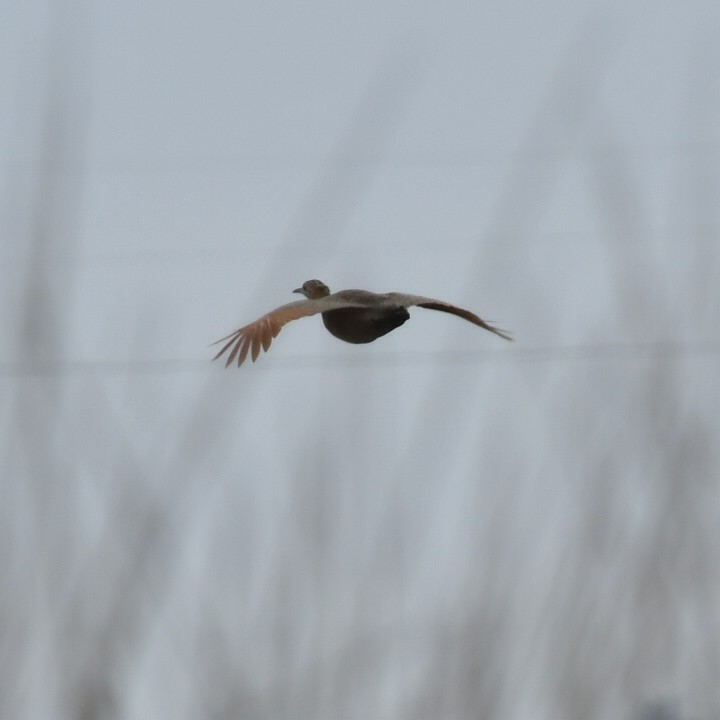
[{"x": 363, "y": 325}]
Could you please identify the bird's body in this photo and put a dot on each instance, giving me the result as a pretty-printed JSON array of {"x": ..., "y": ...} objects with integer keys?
[
  {"x": 355, "y": 316},
  {"x": 364, "y": 324}
]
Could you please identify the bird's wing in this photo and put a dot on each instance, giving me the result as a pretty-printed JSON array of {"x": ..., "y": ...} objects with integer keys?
[
  {"x": 431, "y": 304},
  {"x": 259, "y": 334}
]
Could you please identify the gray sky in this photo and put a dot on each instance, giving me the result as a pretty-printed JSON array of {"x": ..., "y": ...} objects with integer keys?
[{"x": 431, "y": 526}]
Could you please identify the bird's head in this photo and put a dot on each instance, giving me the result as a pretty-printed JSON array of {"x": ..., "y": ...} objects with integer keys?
[{"x": 313, "y": 289}]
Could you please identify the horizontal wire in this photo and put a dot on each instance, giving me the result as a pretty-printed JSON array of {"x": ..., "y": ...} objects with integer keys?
[
  {"x": 539, "y": 354},
  {"x": 439, "y": 159}
]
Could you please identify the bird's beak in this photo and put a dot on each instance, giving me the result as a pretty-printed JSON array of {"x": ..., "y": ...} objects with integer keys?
[{"x": 299, "y": 290}]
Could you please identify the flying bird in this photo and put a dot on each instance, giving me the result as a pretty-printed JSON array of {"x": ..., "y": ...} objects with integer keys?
[{"x": 355, "y": 316}]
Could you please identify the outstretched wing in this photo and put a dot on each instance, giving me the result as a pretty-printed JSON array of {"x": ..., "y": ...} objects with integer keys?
[
  {"x": 431, "y": 304},
  {"x": 259, "y": 334}
]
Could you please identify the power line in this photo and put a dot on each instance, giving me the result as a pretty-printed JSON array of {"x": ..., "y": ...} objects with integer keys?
[
  {"x": 243, "y": 161},
  {"x": 659, "y": 350}
]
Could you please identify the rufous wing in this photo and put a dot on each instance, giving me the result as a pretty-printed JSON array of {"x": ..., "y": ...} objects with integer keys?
[
  {"x": 248, "y": 340},
  {"x": 432, "y": 304}
]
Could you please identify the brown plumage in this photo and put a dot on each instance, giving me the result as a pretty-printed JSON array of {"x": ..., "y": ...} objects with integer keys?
[{"x": 355, "y": 316}]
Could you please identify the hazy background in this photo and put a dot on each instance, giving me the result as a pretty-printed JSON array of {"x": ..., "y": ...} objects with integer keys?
[{"x": 437, "y": 526}]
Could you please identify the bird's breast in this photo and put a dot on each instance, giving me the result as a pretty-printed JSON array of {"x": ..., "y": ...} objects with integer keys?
[{"x": 363, "y": 325}]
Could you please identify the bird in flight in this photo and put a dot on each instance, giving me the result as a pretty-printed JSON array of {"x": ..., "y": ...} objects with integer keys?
[{"x": 355, "y": 316}]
